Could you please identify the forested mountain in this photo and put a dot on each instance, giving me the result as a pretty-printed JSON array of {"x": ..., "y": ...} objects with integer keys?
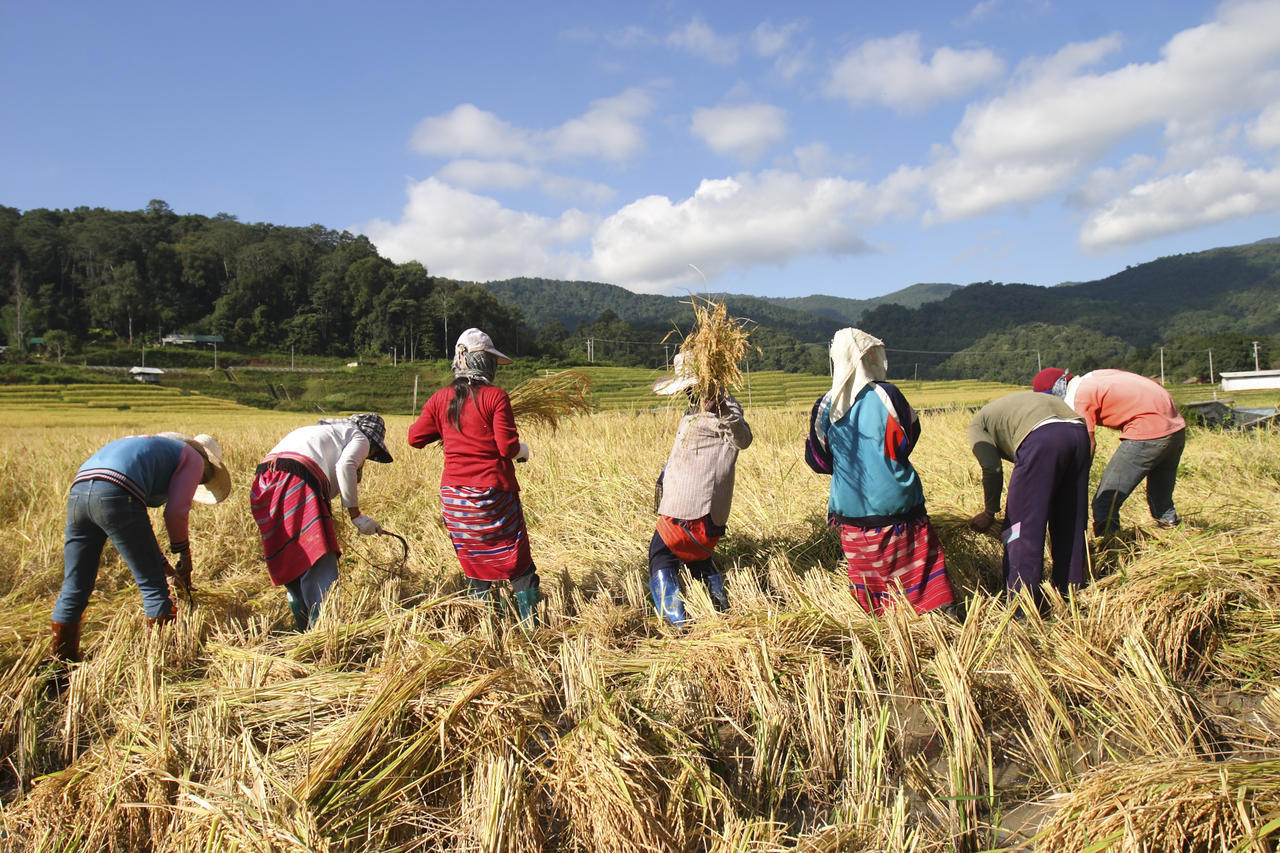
[
  {"x": 93, "y": 276},
  {"x": 850, "y": 311},
  {"x": 1185, "y": 302},
  {"x": 100, "y": 275},
  {"x": 575, "y": 303}
]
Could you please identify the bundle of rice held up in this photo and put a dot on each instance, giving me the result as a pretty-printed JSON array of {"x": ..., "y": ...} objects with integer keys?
[
  {"x": 715, "y": 349},
  {"x": 547, "y": 399}
]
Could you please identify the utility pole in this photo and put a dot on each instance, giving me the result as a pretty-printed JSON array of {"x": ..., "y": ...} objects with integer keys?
[
  {"x": 215, "y": 355},
  {"x": 1161, "y": 365},
  {"x": 1211, "y": 379},
  {"x": 1255, "y": 356},
  {"x": 1038, "y": 367}
]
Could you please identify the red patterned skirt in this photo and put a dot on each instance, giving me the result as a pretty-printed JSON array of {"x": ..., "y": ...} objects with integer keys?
[
  {"x": 288, "y": 502},
  {"x": 904, "y": 559},
  {"x": 488, "y": 532}
]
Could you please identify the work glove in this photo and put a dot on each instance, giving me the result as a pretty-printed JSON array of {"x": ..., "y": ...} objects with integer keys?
[
  {"x": 183, "y": 571},
  {"x": 523, "y": 454},
  {"x": 366, "y": 525}
]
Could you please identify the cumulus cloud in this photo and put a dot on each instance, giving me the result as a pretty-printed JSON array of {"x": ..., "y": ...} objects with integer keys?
[
  {"x": 766, "y": 218},
  {"x": 770, "y": 39},
  {"x": 1264, "y": 131},
  {"x": 468, "y": 131},
  {"x": 757, "y": 218},
  {"x": 608, "y": 130},
  {"x": 471, "y": 237},
  {"x": 745, "y": 131},
  {"x": 893, "y": 72},
  {"x": 1223, "y": 189},
  {"x": 777, "y": 42},
  {"x": 700, "y": 40},
  {"x": 1060, "y": 118},
  {"x": 505, "y": 175}
]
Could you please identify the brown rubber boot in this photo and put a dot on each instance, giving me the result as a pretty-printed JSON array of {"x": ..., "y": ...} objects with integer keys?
[{"x": 66, "y": 641}]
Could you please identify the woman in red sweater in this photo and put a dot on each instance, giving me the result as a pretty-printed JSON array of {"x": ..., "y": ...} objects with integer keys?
[{"x": 478, "y": 490}]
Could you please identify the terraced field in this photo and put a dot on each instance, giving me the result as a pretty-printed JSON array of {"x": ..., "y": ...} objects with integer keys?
[
  {"x": 624, "y": 388},
  {"x": 51, "y": 400}
]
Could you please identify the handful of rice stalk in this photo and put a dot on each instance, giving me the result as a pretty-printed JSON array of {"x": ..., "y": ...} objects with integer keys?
[
  {"x": 714, "y": 350},
  {"x": 547, "y": 399}
]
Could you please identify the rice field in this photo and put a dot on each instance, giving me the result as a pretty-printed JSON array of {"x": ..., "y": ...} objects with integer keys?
[{"x": 1141, "y": 715}]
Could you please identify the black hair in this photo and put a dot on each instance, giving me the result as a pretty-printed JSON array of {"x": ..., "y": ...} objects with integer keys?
[{"x": 463, "y": 390}]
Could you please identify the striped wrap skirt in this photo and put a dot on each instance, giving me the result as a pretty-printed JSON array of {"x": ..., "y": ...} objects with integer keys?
[
  {"x": 488, "y": 531},
  {"x": 899, "y": 560},
  {"x": 288, "y": 502}
]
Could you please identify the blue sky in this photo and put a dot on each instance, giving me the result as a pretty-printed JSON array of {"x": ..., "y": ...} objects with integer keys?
[{"x": 779, "y": 149}]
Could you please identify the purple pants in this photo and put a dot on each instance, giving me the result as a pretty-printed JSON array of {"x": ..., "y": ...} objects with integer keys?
[{"x": 1049, "y": 487}]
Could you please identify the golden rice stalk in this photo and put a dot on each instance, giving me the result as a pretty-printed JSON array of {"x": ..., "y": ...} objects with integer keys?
[
  {"x": 547, "y": 399},
  {"x": 1174, "y": 805},
  {"x": 714, "y": 350}
]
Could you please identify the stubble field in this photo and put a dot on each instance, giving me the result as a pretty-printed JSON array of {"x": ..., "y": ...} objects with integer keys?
[{"x": 1142, "y": 715}]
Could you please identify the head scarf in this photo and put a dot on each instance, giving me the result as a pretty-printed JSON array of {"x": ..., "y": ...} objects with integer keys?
[
  {"x": 856, "y": 359},
  {"x": 479, "y": 366}
]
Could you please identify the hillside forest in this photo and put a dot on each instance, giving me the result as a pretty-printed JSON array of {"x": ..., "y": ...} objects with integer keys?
[{"x": 84, "y": 282}]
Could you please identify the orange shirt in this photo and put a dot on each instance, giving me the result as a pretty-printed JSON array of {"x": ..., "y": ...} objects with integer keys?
[{"x": 1137, "y": 406}]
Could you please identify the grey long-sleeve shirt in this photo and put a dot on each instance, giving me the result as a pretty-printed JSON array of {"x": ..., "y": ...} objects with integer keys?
[
  {"x": 699, "y": 474},
  {"x": 1000, "y": 427}
]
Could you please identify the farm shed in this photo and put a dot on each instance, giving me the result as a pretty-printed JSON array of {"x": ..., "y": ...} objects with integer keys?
[
  {"x": 1245, "y": 380},
  {"x": 146, "y": 374}
]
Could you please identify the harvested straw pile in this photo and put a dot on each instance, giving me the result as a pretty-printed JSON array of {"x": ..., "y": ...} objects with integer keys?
[
  {"x": 545, "y": 400},
  {"x": 714, "y": 350},
  {"x": 1141, "y": 714}
]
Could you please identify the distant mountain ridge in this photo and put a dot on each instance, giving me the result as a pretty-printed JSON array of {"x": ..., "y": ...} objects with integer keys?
[
  {"x": 807, "y": 318},
  {"x": 1226, "y": 289},
  {"x": 850, "y": 311}
]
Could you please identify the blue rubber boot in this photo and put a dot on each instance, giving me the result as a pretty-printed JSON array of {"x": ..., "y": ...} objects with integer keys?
[
  {"x": 527, "y": 604},
  {"x": 665, "y": 589},
  {"x": 715, "y": 588}
]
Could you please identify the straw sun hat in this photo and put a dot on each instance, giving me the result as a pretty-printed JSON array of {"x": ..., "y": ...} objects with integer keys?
[{"x": 219, "y": 485}]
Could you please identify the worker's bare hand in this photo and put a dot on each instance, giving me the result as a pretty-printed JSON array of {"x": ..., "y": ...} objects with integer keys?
[{"x": 982, "y": 521}]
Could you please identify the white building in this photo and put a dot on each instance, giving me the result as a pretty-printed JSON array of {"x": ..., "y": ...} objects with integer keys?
[{"x": 1246, "y": 380}]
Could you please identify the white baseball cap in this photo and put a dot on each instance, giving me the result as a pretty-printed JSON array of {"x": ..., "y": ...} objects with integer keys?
[{"x": 474, "y": 340}]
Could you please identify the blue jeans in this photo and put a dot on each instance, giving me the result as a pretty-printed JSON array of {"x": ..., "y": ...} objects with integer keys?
[
  {"x": 1153, "y": 459},
  {"x": 98, "y": 510}
]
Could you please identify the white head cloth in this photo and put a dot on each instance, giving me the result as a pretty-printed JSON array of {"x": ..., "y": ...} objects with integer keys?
[{"x": 856, "y": 359}]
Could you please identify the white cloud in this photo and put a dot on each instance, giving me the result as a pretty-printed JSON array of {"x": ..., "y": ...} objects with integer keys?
[
  {"x": 762, "y": 218},
  {"x": 1106, "y": 183},
  {"x": 770, "y": 39},
  {"x": 468, "y": 131},
  {"x": 768, "y": 218},
  {"x": 1264, "y": 131},
  {"x": 1223, "y": 189},
  {"x": 474, "y": 238},
  {"x": 893, "y": 72},
  {"x": 505, "y": 175},
  {"x": 962, "y": 188},
  {"x": 776, "y": 42},
  {"x": 700, "y": 40},
  {"x": 746, "y": 131},
  {"x": 1060, "y": 120},
  {"x": 608, "y": 130}
]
